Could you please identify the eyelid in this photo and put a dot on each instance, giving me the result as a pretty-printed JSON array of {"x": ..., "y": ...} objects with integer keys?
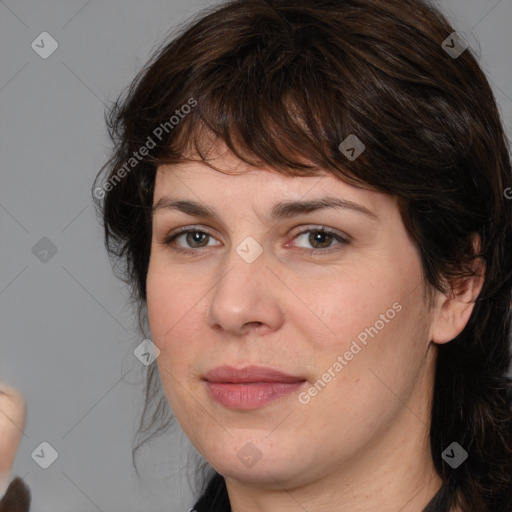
[
  {"x": 319, "y": 227},
  {"x": 342, "y": 237},
  {"x": 302, "y": 229},
  {"x": 168, "y": 238}
]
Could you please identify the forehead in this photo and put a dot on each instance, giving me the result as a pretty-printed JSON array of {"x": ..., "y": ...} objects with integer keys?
[{"x": 236, "y": 185}]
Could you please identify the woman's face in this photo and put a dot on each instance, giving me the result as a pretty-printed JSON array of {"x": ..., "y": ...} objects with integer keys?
[{"x": 344, "y": 320}]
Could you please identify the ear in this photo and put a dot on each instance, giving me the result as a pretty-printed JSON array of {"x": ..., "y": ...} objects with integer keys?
[{"x": 453, "y": 309}]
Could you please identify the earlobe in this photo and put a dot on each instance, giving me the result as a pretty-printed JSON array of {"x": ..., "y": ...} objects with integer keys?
[{"x": 453, "y": 309}]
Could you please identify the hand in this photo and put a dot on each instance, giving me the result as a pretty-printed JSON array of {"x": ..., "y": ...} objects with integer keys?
[{"x": 13, "y": 413}]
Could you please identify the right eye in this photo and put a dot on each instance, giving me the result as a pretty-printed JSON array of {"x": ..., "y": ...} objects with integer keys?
[{"x": 195, "y": 238}]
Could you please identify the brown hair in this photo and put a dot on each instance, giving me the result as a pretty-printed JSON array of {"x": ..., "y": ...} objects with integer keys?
[{"x": 283, "y": 83}]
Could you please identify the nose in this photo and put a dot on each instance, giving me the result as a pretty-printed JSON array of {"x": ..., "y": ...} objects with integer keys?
[{"x": 246, "y": 298}]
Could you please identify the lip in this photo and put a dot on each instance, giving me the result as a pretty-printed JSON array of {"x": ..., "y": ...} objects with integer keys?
[
  {"x": 250, "y": 387},
  {"x": 251, "y": 373}
]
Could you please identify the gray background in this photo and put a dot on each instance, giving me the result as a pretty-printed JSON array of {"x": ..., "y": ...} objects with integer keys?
[{"x": 67, "y": 332}]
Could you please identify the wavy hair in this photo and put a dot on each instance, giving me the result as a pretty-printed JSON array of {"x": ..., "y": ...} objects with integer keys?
[{"x": 282, "y": 83}]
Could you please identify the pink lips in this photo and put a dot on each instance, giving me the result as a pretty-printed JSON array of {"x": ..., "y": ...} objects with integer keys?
[{"x": 250, "y": 387}]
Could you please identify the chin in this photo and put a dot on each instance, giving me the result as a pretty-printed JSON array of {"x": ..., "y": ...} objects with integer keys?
[
  {"x": 272, "y": 476},
  {"x": 268, "y": 465}
]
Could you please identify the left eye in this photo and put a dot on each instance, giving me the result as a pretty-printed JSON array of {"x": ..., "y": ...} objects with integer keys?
[{"x": 322, "y": 238}]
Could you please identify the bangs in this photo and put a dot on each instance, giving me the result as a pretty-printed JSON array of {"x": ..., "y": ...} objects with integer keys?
[
  {"x": 282, "y": 132},
  {"x": 272, "y": 104}
]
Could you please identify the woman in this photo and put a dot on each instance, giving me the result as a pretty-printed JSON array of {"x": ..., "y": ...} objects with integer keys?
[{"x": 309, "y": 201}]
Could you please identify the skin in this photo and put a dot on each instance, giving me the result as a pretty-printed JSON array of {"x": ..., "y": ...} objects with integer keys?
[
  {"x": 361, "y": 444},
  {"x": 12, "y": 422}
]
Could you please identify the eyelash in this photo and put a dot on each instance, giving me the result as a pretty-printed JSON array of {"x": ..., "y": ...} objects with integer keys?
[{"x": 343, "y": 241}]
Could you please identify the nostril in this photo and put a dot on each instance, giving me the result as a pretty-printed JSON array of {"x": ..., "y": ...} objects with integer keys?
[{"x": 252, "y": 325}]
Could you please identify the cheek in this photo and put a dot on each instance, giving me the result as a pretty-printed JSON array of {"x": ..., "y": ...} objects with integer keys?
[
  {"x": 174, "y": 309},
  {"x": 375, "y": 320},
  {"x": 360, "y": 395},
  {"x": 172, "y": 333},
  {"x": 343, "y": 308},
  {"x": 163, "y": 306},
  {"x": 169, "y": 303}
]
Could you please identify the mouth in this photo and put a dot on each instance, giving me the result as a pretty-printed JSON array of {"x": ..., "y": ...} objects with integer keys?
[{"x": 250, "y": 387}]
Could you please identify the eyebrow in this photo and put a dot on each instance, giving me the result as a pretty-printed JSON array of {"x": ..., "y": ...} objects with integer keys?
[{"x": 281, "y": 210}]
